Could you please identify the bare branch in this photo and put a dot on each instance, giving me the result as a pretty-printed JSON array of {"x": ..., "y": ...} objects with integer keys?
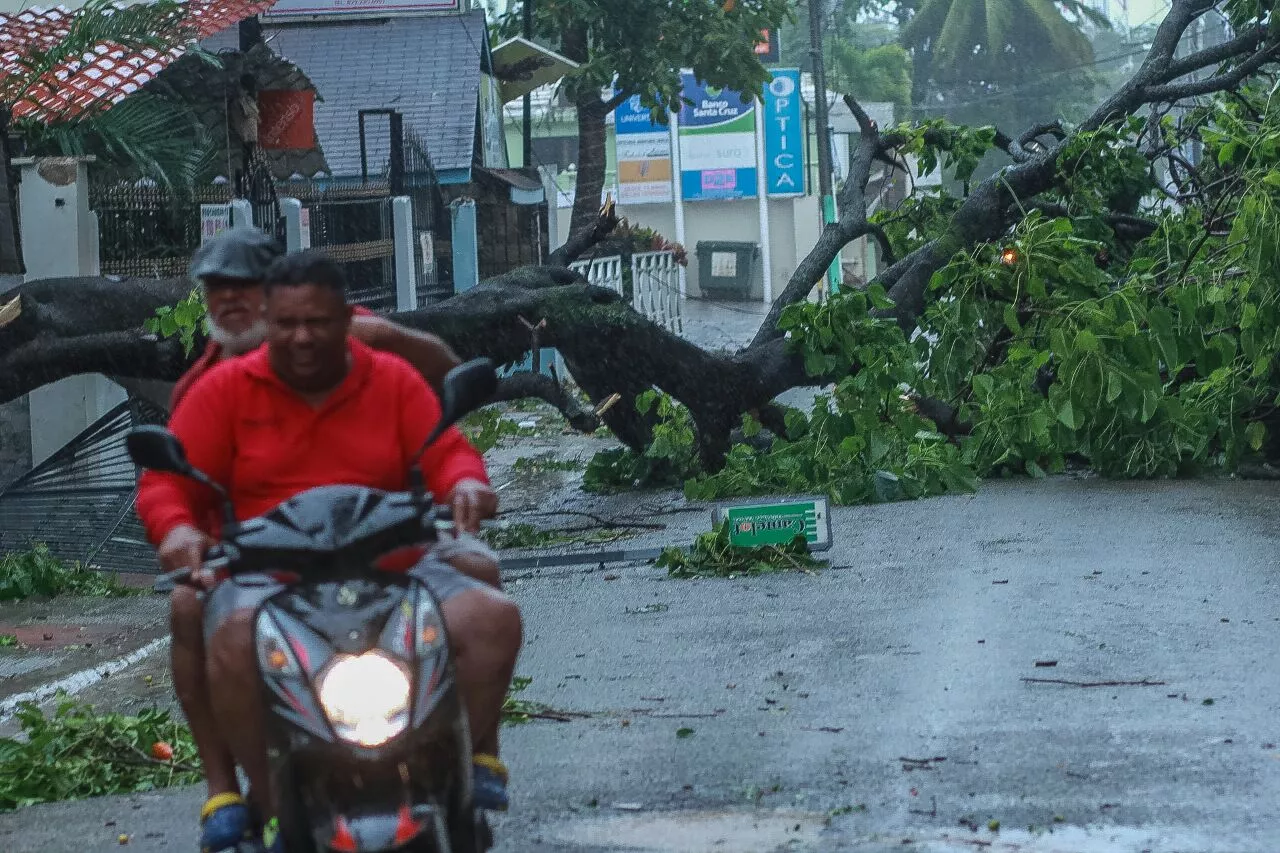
[
  {"x": 1049, "y": 128},
  {"x": 1216, "y": 54},
  {"x": 585, "y": 238},
  {"x": 1217, "y": 83},
  {"x": 617, "y": 101},
  {"x": 519, "y": 386},
  {"x": 851, "y": 225},
  {"x": 1121, "y": 222},
  {"x": 886, "y": 249},
  {"x": 1010, "y": 146},
  {"x": 865, "y": 124}
]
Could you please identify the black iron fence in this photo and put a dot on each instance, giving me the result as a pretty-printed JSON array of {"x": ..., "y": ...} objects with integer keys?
[
  {"x": 432, "y": 234},
  {"x": 150, "y": 231},
  {"x": 146, "y": 229},
  {"x": 353, "y": 225}
]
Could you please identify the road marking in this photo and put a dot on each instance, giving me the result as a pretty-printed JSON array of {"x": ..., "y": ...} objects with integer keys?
[{"x": 77, "y": 681}]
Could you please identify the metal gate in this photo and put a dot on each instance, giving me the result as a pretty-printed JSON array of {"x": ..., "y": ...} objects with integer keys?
[
  {"x": 654, "y": 284},
  {"x": 79, "y": 502},
  {"x": 655, "y": 289},
  {"x": 602, "y": 272}
]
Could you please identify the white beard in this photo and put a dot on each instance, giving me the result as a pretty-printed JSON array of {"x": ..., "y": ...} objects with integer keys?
[{"x": 250, "y": 339}]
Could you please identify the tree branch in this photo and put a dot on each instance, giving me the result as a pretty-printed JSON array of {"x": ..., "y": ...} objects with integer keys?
[
  {"x": 1136, "y": 226},
  {"x": 585, "y": 238},
  {"x": 851, "y": 225},
  {"x": 1215, "y": 54},
  {"x": 617, "y": 100},
  {"x": 1218, "y": 83},
  {"x": 519, "y": 386},
  {"x": 1051, "y": 128}
]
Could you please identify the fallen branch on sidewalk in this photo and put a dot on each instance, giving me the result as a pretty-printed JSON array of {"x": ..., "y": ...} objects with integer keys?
[{"x": 1143, "y": 683}]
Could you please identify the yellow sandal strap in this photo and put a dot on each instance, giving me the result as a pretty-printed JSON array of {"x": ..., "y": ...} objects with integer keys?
[
  {"x": 490, "y": 763},
  {"x": 218, "y": 801}
]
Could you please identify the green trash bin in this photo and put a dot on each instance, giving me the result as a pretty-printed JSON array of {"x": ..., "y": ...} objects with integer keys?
[{"x": 725, "y": 269}]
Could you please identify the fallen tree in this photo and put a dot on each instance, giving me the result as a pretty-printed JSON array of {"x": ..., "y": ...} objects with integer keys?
[{"x": 1001, "y": 281}]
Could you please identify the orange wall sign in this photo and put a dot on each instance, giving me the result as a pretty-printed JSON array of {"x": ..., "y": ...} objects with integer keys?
[{"x": 286, "y": 119}]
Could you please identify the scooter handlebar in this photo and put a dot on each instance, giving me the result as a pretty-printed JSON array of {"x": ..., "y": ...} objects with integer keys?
[{"x": 215, "y": 559}]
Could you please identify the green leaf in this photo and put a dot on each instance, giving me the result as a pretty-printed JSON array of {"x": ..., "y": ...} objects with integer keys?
[
  {"x": 1067, "y": 415},
  {"x": 1115, "y": 385},
  {"x": 1086, "y": 341},
  {"x": 1255, "y": 433},
  {"x": 879, "y": 299},
  {"x": 983, "y": 385},
  {"x": 1011, "y": 319},
  {"x": 1150, "y": 402},
  {"x": 684, "y": 733}
]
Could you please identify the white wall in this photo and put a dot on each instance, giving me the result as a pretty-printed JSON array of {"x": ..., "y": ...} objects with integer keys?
[
  {"x": 793, "y": 226},
  {"x": 60, "y": 239}
]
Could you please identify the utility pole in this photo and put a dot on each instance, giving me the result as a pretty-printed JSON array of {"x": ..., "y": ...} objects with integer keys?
[
  {"x": 527, "y": 139},
  {"x": 816, "y": 9},
  {"x": 250, "y": 33}
]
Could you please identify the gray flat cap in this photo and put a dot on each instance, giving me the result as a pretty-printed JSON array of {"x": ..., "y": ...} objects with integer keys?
[{"x": 243, "y": 252}]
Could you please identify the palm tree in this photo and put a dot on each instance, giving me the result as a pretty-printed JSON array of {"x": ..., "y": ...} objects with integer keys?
[
  {"x": 33, "y": 77},
  {"x": 959, "y": 42},
  {"x": 144, "y": 136}
]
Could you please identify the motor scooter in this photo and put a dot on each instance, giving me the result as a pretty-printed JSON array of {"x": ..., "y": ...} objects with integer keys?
[{"x": 367, "y": 734}]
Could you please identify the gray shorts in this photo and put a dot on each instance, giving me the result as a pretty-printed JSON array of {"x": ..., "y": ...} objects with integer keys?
[{"x": 249, "y": 591}]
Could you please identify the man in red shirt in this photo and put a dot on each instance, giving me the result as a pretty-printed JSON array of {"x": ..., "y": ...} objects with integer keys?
[
  {"x": 230, "y": 269},
  {"x": 314, "y": 408}
]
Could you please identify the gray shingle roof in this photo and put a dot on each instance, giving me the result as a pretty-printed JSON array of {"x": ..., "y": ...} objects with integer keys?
[{"x": 427, "y": 68}]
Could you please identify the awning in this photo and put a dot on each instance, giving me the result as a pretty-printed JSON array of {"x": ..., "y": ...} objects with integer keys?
[
  {"x": 524, "y": 188},
  {"x": 522, "y": 66}
]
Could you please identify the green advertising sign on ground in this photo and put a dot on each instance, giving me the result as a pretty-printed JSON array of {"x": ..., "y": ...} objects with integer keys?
[{"x": 777, "y": 522}]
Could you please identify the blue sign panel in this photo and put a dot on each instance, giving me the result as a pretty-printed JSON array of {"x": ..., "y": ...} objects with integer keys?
[
  {"x": 643, "y": 154},
  {"x": 631, "y": 116},
  {"x": 784, "y": 134},
  {"x": 717, "y": 143}
]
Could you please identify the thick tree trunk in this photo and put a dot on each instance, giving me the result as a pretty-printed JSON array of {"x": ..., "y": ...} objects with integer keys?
[
  {"x": 592, "y": 160},
  {"x": 71, "y": 326},
  {"x": 68, "y": 326}
]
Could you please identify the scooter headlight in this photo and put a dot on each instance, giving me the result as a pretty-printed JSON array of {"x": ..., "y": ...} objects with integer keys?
[{"x": 366, "y": 697}]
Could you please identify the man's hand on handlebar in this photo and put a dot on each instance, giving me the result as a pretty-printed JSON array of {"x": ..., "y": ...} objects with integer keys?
[
  {"x": 184, "y": 547},
  {"x": 472, "y": 501}
]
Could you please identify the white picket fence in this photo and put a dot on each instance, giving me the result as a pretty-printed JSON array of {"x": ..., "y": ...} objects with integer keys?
[{"x": 655, "y": 284}]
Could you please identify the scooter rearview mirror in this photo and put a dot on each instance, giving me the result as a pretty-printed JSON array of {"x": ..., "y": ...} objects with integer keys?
[
  {"x": 157, "y": 449},
  {"x": 466, "y": 388}
]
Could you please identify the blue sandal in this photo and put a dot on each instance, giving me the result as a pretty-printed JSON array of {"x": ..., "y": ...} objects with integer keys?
[
  {"x": 224, "y": 823},
  {"x": 489, "y": 783}
]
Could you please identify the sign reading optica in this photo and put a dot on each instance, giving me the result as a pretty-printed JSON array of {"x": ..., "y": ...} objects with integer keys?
[
  {"x": 643, "y": 151},
  {"x": 778, "y": 522},
  {"x": 784, "y": 134},
  {"x": 717, "y": 143}
]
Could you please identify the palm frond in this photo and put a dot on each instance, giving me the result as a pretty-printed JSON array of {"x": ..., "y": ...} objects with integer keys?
[
  {"x": 99, "y": 25},
  {"x": 144, "y": 136}
]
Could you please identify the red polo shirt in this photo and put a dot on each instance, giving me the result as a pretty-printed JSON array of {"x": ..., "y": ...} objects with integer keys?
[
  {"x": 245, "y": 428},
  {"x": 211, "y": 356}
]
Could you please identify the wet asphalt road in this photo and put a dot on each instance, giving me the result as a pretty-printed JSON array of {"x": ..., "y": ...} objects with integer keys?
[{"x": 892, "y": 690}]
